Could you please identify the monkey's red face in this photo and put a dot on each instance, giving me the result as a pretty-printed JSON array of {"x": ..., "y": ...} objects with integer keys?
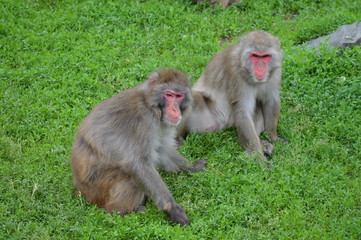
[
  {"x": 173, "y": 100},
  {"x": 260, "y": 64}
]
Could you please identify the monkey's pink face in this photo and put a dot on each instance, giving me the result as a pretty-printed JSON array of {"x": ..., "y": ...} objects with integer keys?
[
  {"x": 260, "y": 64},
  {"x": 173, "y": 100}
]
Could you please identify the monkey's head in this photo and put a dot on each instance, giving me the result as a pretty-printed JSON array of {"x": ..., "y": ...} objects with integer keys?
[
  {"x": 170, "y": 91},
  {"x": 261, "y": 54}
]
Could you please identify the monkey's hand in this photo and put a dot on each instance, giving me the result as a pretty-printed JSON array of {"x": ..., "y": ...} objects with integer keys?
[
  {"x": 179, "y": 141},
  {"x": 267, "y": 147},
  {"x": 177, "y": 215},
  {"x": 260, "y": 157},
  {"x": 198, "y": 165},
  {"x": 264, "y": 162}
]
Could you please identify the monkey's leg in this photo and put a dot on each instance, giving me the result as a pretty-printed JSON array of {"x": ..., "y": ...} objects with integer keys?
[{"x": 125, "y": 196}]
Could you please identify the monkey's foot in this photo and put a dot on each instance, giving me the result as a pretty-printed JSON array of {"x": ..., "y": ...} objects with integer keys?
[
  {"x": 140, "y": 209},
  {"x": 277, "y": 138},
  {"x": 284, "y": 141},
  {"x": 199, "y": 165}
]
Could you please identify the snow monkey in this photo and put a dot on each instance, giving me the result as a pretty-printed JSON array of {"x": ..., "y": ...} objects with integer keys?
[
  {"x": 121, "y": 142},
  {"x": 241, "y": 87}
]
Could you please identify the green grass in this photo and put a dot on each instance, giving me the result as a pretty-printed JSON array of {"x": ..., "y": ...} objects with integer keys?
[{"x": 60, "y": 58}]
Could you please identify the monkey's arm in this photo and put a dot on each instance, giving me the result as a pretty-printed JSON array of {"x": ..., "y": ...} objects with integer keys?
[
  {"x": 243, "y": 120},
  {"x": 246, "y": 130},
  {"x": 249, "y": 139},
  {"x": 271, "y": 112},
  {"x": 174, "y": 161},
  {"x": 247, "y": 134},
  {"x": 154, "y": 187}
]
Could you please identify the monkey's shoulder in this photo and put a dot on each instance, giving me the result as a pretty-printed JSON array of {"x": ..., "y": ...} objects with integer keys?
[
  {"x": 221, "y": 63},
  {"x": 127, "y": 106},
  {"x": 223, "y": 54}
]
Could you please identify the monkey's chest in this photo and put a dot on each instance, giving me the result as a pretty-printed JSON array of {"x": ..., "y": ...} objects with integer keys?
[{"x": 162, "y": 145}]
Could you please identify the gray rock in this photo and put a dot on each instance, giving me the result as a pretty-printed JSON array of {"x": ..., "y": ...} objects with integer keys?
[
  {"x": 345, "y": 36},
  {"x": 223, "y": 3}
]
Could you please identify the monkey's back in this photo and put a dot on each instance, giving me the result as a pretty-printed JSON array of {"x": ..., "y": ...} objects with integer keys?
[
  {"x": 116, "y": 131},
  {"x": 218, "y": 84}
]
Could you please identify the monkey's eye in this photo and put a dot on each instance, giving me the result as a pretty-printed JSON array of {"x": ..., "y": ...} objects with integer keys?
[
  {"x": 179, "y": 95},
  {"x": 173, "y": 94}
]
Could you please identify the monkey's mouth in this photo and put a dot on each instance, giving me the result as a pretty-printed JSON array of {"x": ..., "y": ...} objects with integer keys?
[
  {"x": 173, "y": 119},
  {"x": 259, "y": 77}
]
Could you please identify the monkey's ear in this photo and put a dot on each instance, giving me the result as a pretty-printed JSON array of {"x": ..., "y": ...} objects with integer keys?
[{"x": 153, "y": 78}]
